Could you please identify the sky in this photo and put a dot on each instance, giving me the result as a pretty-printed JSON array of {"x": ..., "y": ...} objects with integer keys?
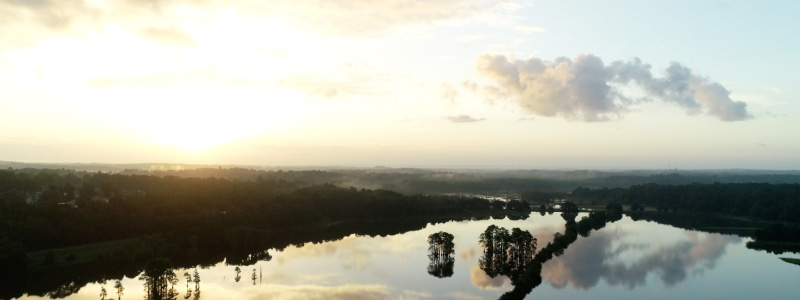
[{"x": 402, "y": 83}]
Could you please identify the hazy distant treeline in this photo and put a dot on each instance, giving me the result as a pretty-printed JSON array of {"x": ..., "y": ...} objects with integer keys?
[
  {"x": 412, "y": 181},
  {"x": 485, "y": 181}
]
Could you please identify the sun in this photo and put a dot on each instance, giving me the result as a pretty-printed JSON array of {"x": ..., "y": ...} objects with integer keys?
[
  {"x": 199, "y": 120},
  {"x": 197, "y": 127},
  {"x": 221, "y": 90},
  {"x": 196, "y": 139}
]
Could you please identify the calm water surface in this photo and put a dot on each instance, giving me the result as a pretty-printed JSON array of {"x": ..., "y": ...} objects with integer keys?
[{"x": 624, "y": 260}]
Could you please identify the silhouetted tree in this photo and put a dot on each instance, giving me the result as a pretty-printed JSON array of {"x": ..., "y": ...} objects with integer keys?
[
  {"x": 64, "y": 290},
  {"x": 120, "y": 289},
  {"x": 188, "y": 278},
  {"x": 569, "y": 211},
  {"x": 504, "y": 253},
  {"x": 441, "y": 252},
  {"x": 522, "y": 246},
  {"x": 196, "y": 278},
  {"x": 158, "y": 275}
]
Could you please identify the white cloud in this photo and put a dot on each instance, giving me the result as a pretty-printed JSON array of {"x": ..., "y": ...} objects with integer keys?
[
  {"x": 573, "y": 89},
  {"x": 586, "y": 89}
]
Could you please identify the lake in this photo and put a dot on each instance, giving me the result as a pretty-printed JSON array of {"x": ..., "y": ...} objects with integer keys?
[{"x": 625, "y": 259}]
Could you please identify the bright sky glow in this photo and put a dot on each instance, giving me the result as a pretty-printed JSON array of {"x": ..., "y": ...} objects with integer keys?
[{"x": 458, "y": 83}]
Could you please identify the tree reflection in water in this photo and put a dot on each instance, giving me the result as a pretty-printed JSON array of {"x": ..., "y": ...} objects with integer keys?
[
  {"x": 530, "y": 276},
  {"x": 159, "y": 280},
  {"x": 196, "y": 279},
  {"x": 441, "y": 252},
  {"x": 489, "y": 264},
  {"x": 188, "y": 279},
  {"x": 60, "y": 282},
  {"x": 120, "y": 289},
  {"x": 506, "y": 253}
]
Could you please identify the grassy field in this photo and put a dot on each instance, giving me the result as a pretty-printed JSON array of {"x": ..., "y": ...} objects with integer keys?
[{"x": 795, "y": 261}]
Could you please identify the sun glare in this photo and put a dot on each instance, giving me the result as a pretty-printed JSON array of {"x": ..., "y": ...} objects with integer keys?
[
  {"x": 196, "y": 120},
  {"x": 196, "y": 139}
]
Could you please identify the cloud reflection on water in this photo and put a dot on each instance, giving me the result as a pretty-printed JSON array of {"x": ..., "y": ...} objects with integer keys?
[
  {"x": 600, "y": 255},
  {"x": 484, "y": 282},
  {"x": 469, "y": 253},
  {"x": 356, "y": 292},
  {"x": 354, "y": 252},
  {"x": 290, "y": 291}
]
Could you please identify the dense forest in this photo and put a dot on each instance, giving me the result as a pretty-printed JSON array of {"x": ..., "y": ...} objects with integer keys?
[
  {"x": 773, "y": 202},
  {"x": 71, "y": 209}
]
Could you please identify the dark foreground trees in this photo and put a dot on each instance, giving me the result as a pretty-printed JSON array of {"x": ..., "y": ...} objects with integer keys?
[{"x": 217, "y": 211}]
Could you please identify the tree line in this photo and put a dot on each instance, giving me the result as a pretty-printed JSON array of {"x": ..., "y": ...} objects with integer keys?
[
  {"x": 107, "y": 207},
  {"x": 772, "y": 202}
]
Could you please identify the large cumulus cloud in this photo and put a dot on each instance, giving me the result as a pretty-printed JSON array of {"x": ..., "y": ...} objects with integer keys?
[{"x": 587, "y": 89}]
